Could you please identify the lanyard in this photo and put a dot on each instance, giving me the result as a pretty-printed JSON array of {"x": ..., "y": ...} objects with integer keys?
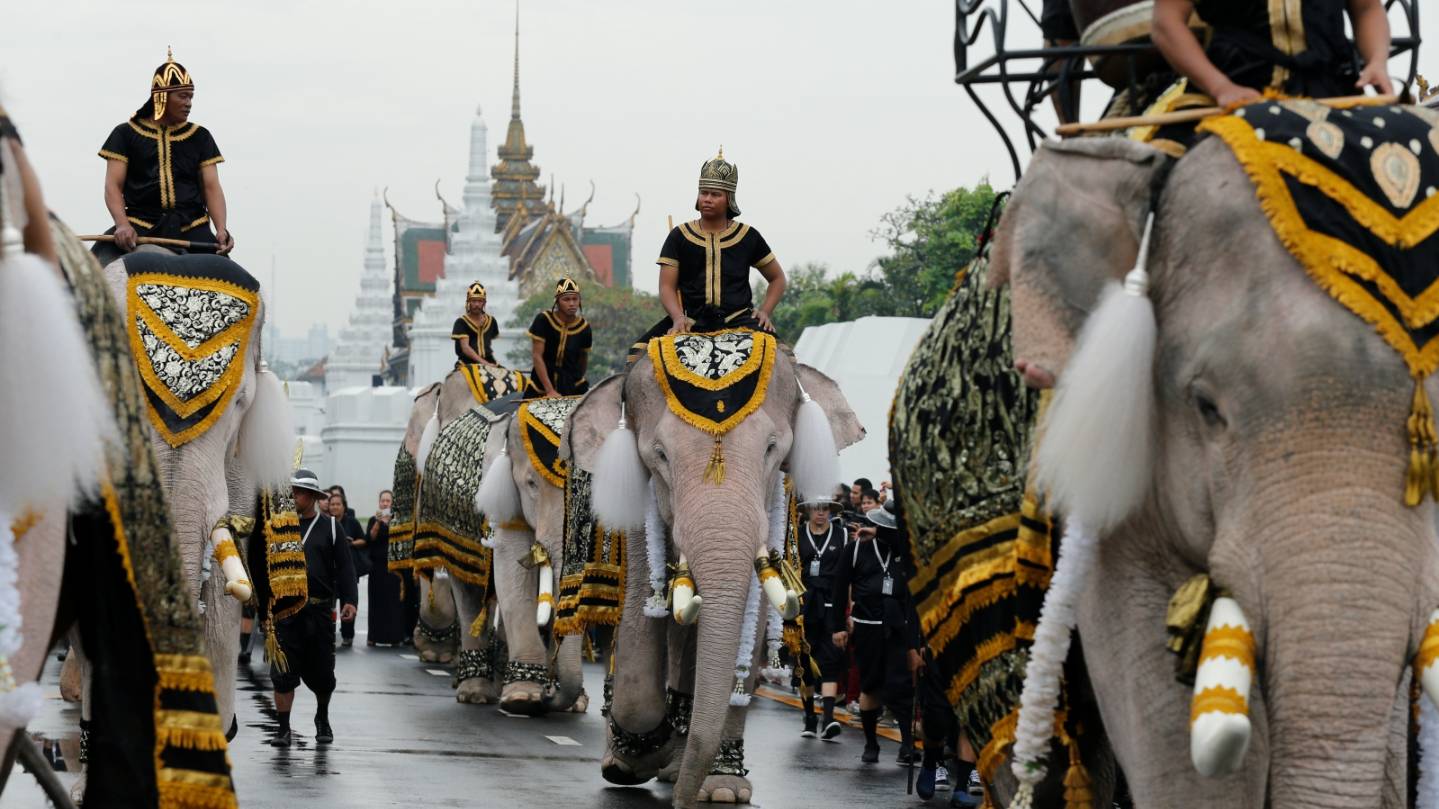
[
  {"x": 883, "y": 563},
  {"x": 305, "y": 540},
  {"x": 829, "y": 535}
]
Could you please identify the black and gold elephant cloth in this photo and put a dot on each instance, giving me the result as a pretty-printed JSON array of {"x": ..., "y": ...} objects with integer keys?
[
  {"x": 490, "y": 382},
  {"x": 156, "y": 737},
  {"x": 1353, "y": 195},
  {"x": 401, "y": 547},
  {"x": 542, "y": 423},
  {"x": 592, "y": 580},
  {"x": 713, "y": 381},
  {"x": 961, "y": 428},
  {"x": 449, "y": 532},
  {"x": 275, "y": 557},
  {"x": 190, "y": 322}
]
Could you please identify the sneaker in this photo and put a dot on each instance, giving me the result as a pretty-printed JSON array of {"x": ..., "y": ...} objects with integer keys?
[
  {"x": 975, "y": 786},
  {"x": 347, "y": 642},
  {"x": 963, "y": 800},
  {"x": 323, "y": 733},
  {"x": 831, "y": 731},
  {"x": 871, "y": 754},
  {"x": 809, "y": 728},
  {"x": 924, "y": 785},
  {"x": 282, "y": 739},
  {"x": 906, "y": 757},
  {"x": 941, "y": 778}
]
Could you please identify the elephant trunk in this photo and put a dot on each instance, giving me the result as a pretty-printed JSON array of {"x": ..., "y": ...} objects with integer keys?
[
  {"x": 1340, "y": 595},
  {"x": 568, "y": 672}
]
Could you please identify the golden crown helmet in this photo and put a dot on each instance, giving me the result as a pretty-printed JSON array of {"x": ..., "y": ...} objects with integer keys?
[
  {"x": 565, "y": 286},
  {"x": 720, "y": 175},
  {"x": 169, "y": 77},
  {"x": 475, "y": 292}
]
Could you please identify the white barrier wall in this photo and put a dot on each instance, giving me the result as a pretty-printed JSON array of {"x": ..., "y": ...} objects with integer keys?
[
  {"x": 865, "y": 357},
  {"x": 362, "y": 434}
]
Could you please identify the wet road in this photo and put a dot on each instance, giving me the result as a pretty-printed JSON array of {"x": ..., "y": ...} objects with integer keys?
[{"x": 402, "y": 740}]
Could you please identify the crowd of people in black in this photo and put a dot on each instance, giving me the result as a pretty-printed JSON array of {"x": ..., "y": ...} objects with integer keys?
[{"x": 863, "y": 643}]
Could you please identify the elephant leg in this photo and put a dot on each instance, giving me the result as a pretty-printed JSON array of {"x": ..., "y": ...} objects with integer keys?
[
  {"x": 516, "y": 587},
  {"x": 679, "y": 694},
  {"x": 475, "y": 678},
  {"x": 727, "y": 781},
  {"x": 637, "y": 733},
  {"x": 437, "y": 632}
]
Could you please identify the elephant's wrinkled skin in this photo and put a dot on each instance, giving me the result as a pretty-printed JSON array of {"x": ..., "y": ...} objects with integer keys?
[
  {"x": 719, "y": 529},
  {"x": 1280, "y": 471}
]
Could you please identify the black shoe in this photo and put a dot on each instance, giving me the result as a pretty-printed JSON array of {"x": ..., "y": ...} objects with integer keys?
[
  {"x": 282, "y": 739},
  {"x": 810, "y": 726},
  {"x": 244, "y": 658},
  {"x": 906, "y": 757},
  {"x": 871, "y": 754},
  {"x": 831, "y": 731},
  {"x": 323, "y": 733},
  {"x": 347, "y": 642}
]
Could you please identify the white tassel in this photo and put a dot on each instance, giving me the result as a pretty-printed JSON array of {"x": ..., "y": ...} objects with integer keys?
[
  {"x": 813, "y": 457},
  {"x": 658, "y": 558},
  {"x": 1095, "y": 455},
  {"x": 54, "y": 416},
  {"x": 619, "y": 482},
  {"x": 267, "y": 435},
  {"x": 1428, "y": 754},
  {"x": 498, "y": 498},
  {"x": 747, "y": 633},
  {"x": 427, "y": 440},
  {"x": 18, "y": 704},
  {"x": 1057, "y": 619}
]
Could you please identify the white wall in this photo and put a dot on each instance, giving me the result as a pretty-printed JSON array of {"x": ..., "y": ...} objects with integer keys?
[
  {"x": 865, "y": 357},
  {"x": 363, "y": 430}
]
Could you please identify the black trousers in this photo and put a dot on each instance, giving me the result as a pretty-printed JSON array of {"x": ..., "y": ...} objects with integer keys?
[
  {"x": 106, "y": 252},
  {"x": 883, "y": 659},
  {"x": 308, "y": 641}
]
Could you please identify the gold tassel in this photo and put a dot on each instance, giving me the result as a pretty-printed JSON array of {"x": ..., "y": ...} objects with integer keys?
[
  {"x": 1078, "y": 792},
  {"x": 478, "y": 625},
  {"x": 273, "y": 650},
  {"x": 1421, "y": 480},
  {"x": 714, "y": 472}
]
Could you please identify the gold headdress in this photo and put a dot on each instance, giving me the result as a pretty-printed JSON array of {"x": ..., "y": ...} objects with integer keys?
[
  {"x": 565, "y": 286},
  {"x": 721, "y": 175},
  {"x": 168, "y": 78},
  {"x": 476, "y": 290}
]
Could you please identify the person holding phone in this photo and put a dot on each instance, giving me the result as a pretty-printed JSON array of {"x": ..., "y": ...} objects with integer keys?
[{"x": 386, "y": 608}]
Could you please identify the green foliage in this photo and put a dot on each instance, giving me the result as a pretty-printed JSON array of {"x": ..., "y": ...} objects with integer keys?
[
  {"x": 929, "y": 240},
  {"x": 617, "y": 316}
]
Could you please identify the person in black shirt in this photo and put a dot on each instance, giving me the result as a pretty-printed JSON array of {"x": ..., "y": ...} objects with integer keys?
[
  {"x": 307, "y": 639},
  {"x": 705, "y": 264},
  {"x": 475, "y": 331},
  {"x": 821, "y": 544},
  {"x": 560, "y": 344},
  {"x": 872, "y": 579},
  {"x": 339, "y": 507},
  {"x": 161, "y": 176}
]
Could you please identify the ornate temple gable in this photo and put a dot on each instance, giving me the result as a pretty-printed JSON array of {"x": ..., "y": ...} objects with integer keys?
[
  {"x": 419, "y": 263},
  {"x": 558, "y": 254},
  {"x": 514, "y": 175}
]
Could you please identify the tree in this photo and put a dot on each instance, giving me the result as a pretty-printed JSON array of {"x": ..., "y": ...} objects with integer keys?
[{"x": 617, "y": 316}]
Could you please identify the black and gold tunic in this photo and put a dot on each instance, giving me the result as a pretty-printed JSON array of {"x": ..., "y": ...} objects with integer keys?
[
  {"x": 1297, "y": 46},
  {"x": 565, "y": 348},
  {"x": 164, "y": 195},
  {"x": 714, "y": 267},
  {"x": 480, "y": 335}
]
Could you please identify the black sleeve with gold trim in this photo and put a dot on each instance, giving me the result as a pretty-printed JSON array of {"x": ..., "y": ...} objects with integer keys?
[
  {"x": 205, "y": 148},
  {"x": 492, "y": 332},
  {"x": 758, "y": 248},
  {"x": 670, "y": 251},
  {"x": 117, "y": 146},
  {"x": 462, "y": 332}
]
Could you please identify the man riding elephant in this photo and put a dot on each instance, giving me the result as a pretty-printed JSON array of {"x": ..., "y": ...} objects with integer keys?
[{"x": 161, "y": 174}]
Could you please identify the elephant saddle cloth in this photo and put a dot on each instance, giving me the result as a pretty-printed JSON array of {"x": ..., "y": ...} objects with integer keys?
[
  {"x": 713, "y": 381},
  {"x": 489, "y": 382},
  {"x": 449, "y": 533},
  {"x": 592, "y": 579},
  {"x": 1353, "y": 195},
  {"x": 190, "y": 319},
  {"x": 401, "y": 547},
  {"x": 542, "y": 422}
]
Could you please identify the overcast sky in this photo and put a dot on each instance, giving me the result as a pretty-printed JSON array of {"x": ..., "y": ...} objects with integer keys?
[{"x": 833, "y": 111}]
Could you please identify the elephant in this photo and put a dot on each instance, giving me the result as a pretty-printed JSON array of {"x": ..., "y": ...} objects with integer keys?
[
  {"x": 218, "y": 421},
  {"x": 522, "y": 496},
  {"x": 1276, "y": 467},
  {"x": 715, "y": 492}
]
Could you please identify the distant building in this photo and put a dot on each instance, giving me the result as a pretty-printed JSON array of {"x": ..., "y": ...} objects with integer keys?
[{"x": 363, "y": 346}]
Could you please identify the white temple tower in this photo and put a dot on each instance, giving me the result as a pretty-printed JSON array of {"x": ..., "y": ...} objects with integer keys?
[
  {"x": 360, "y": 349},
  {"x": 474, "y": 255}
]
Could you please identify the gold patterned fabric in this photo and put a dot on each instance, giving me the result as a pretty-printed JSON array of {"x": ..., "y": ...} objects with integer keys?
[
  {"x": 449, "y": 531},
  {"x": 157, "y": 738},
  {"x": 190, "y": 320},
  {"x": 542, "y": 422},
  {"x": 1353, "y": 195},
  {"x": 592, "y": 579},
  {"x": 406, "y": 484},
  {"x": 488, "y": 382},
  {"x": 277, "y": 548}
]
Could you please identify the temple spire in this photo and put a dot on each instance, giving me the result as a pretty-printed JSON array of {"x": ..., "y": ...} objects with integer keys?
[
  {"x": 515, "y": 176},
  {"x": 515, "y": 96}
]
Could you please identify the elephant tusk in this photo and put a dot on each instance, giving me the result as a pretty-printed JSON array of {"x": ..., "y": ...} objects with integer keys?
[
  {"x": 1219, "y": 726},
  {"x": 1427, "y": 661},
  {"x": 684, "y": 600},
  {"x": 236, "y": 583},
  {"x": 784, "y": 600},
  {"x": 545, "y": 603}
]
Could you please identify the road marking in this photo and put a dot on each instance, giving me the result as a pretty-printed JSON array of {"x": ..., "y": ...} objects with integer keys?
[
  {"x": 438, "y": 672},
  {"x": 563, "y": 741},
  {"x": 409, "y": 657},
  {"x": 513, "y": 715}
]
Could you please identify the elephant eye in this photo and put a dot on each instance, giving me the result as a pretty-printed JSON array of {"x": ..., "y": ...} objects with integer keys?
[
  {"x": 770, "y": 447},
  {"x": 660, "y": 454},
  {"x": 1209, "y": 411}
]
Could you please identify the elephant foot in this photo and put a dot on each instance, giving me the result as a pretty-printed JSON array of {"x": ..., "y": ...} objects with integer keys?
[
  {"x": 582, "y": 703},
  {"x": 726, "y": 789},
  {"x": 71, "y": 679},
  {"x": 476, "y": 691},
  {"x": 620, "y": 772},
  {"x": 523, "y": 697}
]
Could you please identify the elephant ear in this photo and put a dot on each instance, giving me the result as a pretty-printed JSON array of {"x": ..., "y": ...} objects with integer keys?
[
  {"x": 498, "y": 498},
  {"x": 1074, "y": 223},
  {"x": 591, "y": 422},
  {"x": 600, "y": 441},
  {"x": 842, "y": 420}
]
